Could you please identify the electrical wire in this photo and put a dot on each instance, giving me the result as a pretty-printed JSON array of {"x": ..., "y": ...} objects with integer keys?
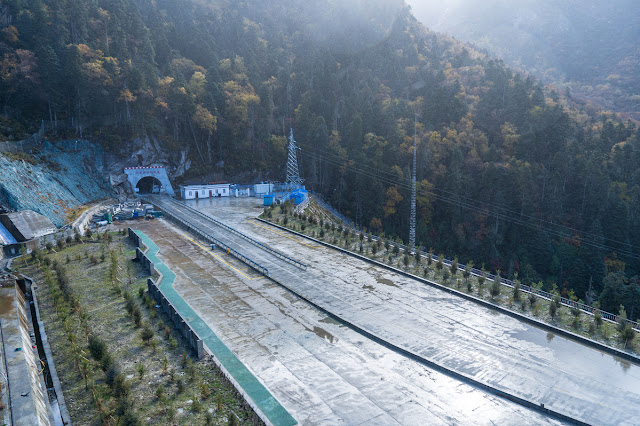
[
  {"x": 484, "y": 208},
  {"x": 503, "y": 209}
]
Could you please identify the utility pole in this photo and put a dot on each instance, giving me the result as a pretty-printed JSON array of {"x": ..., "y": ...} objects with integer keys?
[{"x": 412, "y": 219}]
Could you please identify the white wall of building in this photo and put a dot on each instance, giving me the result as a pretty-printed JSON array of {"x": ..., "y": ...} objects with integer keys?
[
  {"x": 190, "y": 192},
  {"x": 261, "y": 189}
]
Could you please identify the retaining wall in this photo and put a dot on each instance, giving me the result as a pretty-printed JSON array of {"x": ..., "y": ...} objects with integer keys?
[
  {"x": 189, "y": 334},
  {"x": 263, "y": 403},
  {"x": 57, "y": 387},
  {"x": 185, "y": 329},
  {"x": 83, "y": 221},
  {"x": 529, "y": 320}
]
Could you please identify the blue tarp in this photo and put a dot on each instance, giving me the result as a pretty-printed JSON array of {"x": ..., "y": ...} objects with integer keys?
[
  {"x": 5, "y": 236},
  {"x": 298, "y": 196}
]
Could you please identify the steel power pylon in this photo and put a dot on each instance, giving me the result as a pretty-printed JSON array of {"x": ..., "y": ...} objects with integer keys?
[
  {"x": 412, "y": 219},
  {"x": 293, "y": 174}
]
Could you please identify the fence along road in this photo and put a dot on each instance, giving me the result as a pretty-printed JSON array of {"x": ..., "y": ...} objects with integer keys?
[
  {"x": 608, "y": 316},
  {"x": 471, "y": 342},
  {"x": 589, "y": 310},
  {"x": 238, "y": 233}
]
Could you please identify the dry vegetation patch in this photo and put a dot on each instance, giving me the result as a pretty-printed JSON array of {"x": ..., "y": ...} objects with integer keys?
[{"x": 119, "y": 359}]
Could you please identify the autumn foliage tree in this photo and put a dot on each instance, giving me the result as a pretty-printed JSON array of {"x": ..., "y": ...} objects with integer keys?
[{"x": 505, "y": 166}]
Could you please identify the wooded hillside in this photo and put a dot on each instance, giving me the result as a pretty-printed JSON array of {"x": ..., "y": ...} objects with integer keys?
[
  {"x": 587, "y": 46},
  {"x": 509, "y": 174}
]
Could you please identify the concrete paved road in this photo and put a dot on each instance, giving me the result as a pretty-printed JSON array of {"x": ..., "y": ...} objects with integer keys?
[
  {"x": 321, "y": 371},
  {"x": 491, "y": 348}
]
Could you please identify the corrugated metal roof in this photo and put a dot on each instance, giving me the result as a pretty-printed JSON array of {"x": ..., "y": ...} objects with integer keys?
[{"x": 5, "y": 236}]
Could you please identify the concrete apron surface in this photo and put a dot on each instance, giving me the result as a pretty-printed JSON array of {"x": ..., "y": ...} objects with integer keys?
[
  {"x": 492, "y": 348},
  {"x": 321, "y": 371},
  {"x": 259, "y": 395},
  {"x": 28, "y": 403}
]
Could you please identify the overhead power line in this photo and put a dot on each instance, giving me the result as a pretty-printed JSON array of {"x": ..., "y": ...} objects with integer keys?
[{"x": 480, "y": 207}]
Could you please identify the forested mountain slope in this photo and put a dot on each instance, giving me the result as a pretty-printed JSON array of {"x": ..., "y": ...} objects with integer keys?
[
  {"x": 589, "y": 46},
  {"x": 509, "y": 175}
]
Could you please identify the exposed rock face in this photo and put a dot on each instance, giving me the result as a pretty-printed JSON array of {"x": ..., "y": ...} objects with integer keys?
[
  {"x": 60, "y": 176},
  {"x": 147, "y": 152},
  {"x": 54, "y": 179}
]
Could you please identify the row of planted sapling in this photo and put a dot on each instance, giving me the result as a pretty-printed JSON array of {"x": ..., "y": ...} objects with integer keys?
[
  {"x": 119, "y": 359},
  {"x": 393, "y": 253}
]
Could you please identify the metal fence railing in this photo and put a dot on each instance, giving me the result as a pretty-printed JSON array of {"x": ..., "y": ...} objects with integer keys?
[
  {"x": 318, "y": 199},
  {"x": 525, "y": 288},
  {"x": 211, "y": 239},
  {"x": 246, "y": 237},
  {"x": 300, "y": 207}
]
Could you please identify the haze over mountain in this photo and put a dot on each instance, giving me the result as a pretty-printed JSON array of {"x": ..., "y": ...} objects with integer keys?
[
  {"x": 592, "y": 47},
  {"x": 510, "y": 174}
]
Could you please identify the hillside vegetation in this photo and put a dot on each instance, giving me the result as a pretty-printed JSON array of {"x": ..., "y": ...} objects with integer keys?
[
  {"x": 589, "y": 47},
  {"x": 509, "y": 175}
]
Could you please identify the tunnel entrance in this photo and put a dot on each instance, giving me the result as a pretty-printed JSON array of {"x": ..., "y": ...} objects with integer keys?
[
  {"x": 139, "y": 177},
  {"x": 148, "y": 185}
]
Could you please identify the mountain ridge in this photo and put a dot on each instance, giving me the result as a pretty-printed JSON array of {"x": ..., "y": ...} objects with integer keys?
[{"x": 510, "y": 172}]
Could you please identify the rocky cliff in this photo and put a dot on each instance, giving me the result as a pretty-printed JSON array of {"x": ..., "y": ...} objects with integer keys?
[{"x": 53, "y": 178}]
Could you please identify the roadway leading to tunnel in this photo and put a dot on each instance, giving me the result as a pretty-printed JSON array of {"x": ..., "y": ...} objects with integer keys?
[
  {"x": 321, "y": 371},
  {"x": 486, "y": 346}
]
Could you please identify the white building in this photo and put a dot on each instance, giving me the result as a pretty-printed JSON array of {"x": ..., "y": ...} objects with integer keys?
[
  {"x": 209, "y": 190},
  {"x": 262, "y": 189}
]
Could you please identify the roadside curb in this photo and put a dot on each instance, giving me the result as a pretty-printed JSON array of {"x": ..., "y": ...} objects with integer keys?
[
  {"x": 585, "y": 340},
  {"x": 81, "y": 222},
  {"x": 423, "y": 360}
]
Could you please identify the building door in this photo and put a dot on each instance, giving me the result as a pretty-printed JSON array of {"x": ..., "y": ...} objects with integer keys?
[
  {"x": 210, "y": 193},
  {"x": 197, "y": 194}
]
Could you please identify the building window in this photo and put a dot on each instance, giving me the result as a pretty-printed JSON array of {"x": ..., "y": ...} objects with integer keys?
[
  {"x": 190, "y": 194},
  {"x": 224, "y": 191}
]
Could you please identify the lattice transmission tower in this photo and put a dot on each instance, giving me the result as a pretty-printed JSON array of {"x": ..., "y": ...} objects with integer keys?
[
  {"x": 293, "y": 173},
  {"x": 412, "y": 219}
]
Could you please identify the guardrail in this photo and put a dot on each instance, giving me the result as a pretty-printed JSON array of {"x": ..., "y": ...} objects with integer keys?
[
  {"x": 208, "y": 237},
  {"x": 246, "y": 237},
  {"x": 525, "y": 288}
]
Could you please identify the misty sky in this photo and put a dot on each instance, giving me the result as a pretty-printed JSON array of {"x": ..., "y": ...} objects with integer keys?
[{"x": 430, "y": 12}]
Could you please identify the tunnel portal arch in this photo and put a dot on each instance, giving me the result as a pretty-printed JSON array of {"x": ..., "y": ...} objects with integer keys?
[
  {"x": 148, "y": 185},
  {"x": 136, "y": 174}
]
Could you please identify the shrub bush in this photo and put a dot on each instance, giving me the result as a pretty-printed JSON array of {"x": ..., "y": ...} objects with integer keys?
[
  {"x": 97, "y": 347},
  {"x": 146, "y": 334}
]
